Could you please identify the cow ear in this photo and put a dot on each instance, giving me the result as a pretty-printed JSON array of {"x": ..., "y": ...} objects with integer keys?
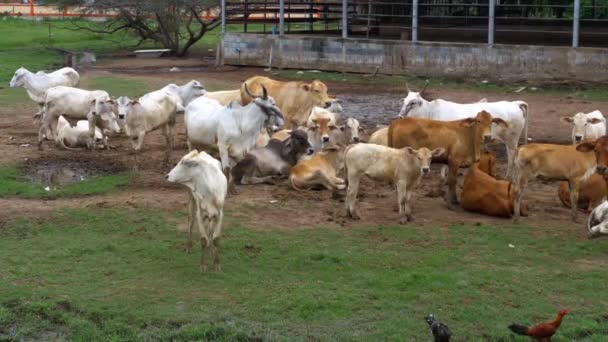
[
  {"x": 586, "y": 146},
  {"x": 594, "y": 121},
  {"x": 306, "y": 87},
  {"x": 111, "y": 101},
  {"x": 467, "y": 122},
  {"x": 501, "y": 122},
  {"x": 566, "y": 120},
  {"x": 438, "y": 152},
  {"x": 134, "y": 102},
  {"x": 410, "y": 150}
]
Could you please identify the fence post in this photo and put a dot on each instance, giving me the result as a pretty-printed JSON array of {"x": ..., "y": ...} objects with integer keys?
[
  {"x": 414, "y": 20},
  {"x": 344, "y": 18},
  {"x": 32, "y": 5},
  {"x": 576, "y": 25},
  {"x": 281, "y": 17},
  {"x": 223, "y": 16},
  {"x": 491, "y": 21}
]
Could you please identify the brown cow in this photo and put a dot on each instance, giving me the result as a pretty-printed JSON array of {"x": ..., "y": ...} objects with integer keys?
[
  {"x": 592, "y": 192},
  {"x": 553, "y": 162},
  {"x": 482, "y": 193},
  {"x": 462, "y": 140},
  {"x": 295, "y": 99},
  {"x": 320, "y": 170}
]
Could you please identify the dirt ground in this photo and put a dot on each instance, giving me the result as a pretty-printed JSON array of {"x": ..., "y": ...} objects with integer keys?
[{"x": 265, "y": 206}]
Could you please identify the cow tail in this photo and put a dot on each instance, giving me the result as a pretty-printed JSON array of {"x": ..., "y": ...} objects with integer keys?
[
  {"x": 389, "y": 138},
  {"x": 525, "y": 110}
]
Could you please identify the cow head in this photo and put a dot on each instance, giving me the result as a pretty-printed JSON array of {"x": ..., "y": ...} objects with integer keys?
[
  {"x": 295, "y": 146},
  {"x": 317, "y": 91},
  {"x": 275, "y": 118},
  {"x": 351, "y": 130},
  {"x": 185, "y": 170},
  {"x": 124, "y": 106},
  {"x": 425, "y": 156},
  {"x": 18, "y": 79},
  {"x": 487, "y": 163},
  {"x": 191, "y": 91},
  {"x": 600, "y": 147},
  {"x": 413, "y": 102},
  {"x": 482, "y": 129},
  {"x": 580, "y": 122},
  {"x": 103, "y": 108}
]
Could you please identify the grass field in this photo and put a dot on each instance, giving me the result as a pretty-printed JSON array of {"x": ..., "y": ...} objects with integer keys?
[{"x": 123, "y": 275}]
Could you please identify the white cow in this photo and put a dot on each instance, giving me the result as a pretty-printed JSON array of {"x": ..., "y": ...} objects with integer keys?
[
  {"x": 186, "y": 93},
  {"x": 348, "y": 133},
  {"x": 76, "y": 104},
  {"x": 514, "y": 113},
  {"x": 152, "y": 111},
  {"x": 597, "y": 224},
  {"x": 37, "y": 84},
  {"x": 225, "y": 97},
  {"x": 586, "y": 126},
  {"x": 202, "y": 174},
  {"x": 233, "y": 129},
  {"x": 77, "y": 136}
]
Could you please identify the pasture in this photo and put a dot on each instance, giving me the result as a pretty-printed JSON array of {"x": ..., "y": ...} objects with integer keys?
[{"x": 104, "y": 259}]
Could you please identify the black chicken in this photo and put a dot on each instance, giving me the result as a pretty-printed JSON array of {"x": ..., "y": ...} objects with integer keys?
[{"x": 440, "y": 331}]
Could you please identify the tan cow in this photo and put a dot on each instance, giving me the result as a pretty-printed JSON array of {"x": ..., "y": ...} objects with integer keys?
[
  {"x": 295, "y": 98},
  {"x": 552, "y": 162},
  {"x": 462, "y": 140},
  {"x": 320, "y": 170},
  {"x": 592, "y": 192},
  {"x": 482, "y": 193},
  {"x": 379, "y": 137},
  {"x": 225, "y": 97},
  {"x": 402, "y": 167}
]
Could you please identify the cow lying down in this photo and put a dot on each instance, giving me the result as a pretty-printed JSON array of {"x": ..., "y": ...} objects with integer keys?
[
  {"x": 275, "y": 159},
  {"x": 593, "y": 191},
  {"x": 484, "y": 194},
  {"x": 77, "y": 137},
  {"x": 320, "y": 170}
]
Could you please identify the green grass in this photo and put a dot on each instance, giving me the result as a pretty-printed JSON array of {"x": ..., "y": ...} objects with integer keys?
[
  {"x": 118, "y": 86},
  {"x": 14, "y": 184},
  {"x": 122, "y": 275}
]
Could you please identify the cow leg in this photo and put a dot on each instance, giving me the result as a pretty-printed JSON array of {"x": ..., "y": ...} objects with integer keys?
[
  {"x": 41, "y": 134},
  {"x": 403, "y": 198},
  {"x": 204, "y": 251},
  {"x": 520, "y": 186},
  {"x": 191, "y": 221},
  {"x": 452, "y": 198},
  {"x": 251, "y": 180},
  {"x": 216, "y": 255},
  {"x": 600, "y": 229},
  {"x": 574, "y": 185},
  {"x": 511, "y": 152},
  {"x": 351, "y": 196}
]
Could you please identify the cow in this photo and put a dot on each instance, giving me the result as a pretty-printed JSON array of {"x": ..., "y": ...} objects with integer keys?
[
  {"x": 275, "y": 159},
  {"x": 233, "y": 129},
  {"x": 483, "y": 193},
  {"x": 37, "y": 84},
  {"x": 461, "y": 139},
  {"x": 76, "y": 104},
  {"x": 295, "y": 99},
  {"x": 379, "y": 137},
  {"x": 597, "y": 223},
  {"x": 203, "y": 176},
  {"x": 320, "y": 170},
  {"x": 586, "y": 126},
  {"x": 403, "y": 167},
  {"x": 592, "y": 192},
  {"x": 77, "y": 137},
  {"x": 150, "y": 112},
  {"x": 552, "y": 162},
  {"x": 225, "y": 97},
  {"x": 185, "y": 93},
  {"x": 514, "y": 113},
  {"x": 320, "y": 125}
]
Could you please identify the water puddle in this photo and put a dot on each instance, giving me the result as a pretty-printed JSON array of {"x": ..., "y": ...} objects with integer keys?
[{"x": 63, "y": 172}]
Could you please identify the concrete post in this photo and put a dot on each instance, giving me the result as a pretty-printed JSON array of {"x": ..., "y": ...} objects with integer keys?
[
  {"x": 491, "y": 21},
  {"x": 281, "y": 17},
  {"x": 344, "y": 18},
  {"x": 223, "y": 16},
  {"x": 576, "y": 25},
  {"x": 414, "y": 20}
]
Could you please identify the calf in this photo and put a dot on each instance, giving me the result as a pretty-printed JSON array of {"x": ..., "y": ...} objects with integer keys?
[
  {"x": 597, "y": 224},
  {"x": 592, "y": 192},
  {"x": 348, "y": 133},
  {"x": 552, "y": 162},
  {"x": 321, "y": 123},
  {"x": 403, "y": 167},
  {"x": 461, "y": 139},
  {"x": 208, "y": 186},
  {"x": 482, "y": 193},
  {"x": 586, "y": 126},
  {"x": 275, "y": 159},
  {"x": 320, "y": 170},
  {"x": 77, "y": 137}
]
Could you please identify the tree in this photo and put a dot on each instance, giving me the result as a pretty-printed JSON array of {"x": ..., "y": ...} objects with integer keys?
[{"x": 175, "y": 24}]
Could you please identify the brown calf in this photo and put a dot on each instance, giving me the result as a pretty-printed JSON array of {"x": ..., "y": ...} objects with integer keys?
[
  {"x": 552, "y": 162},
  {"x": 591, "y": 193},
  {"x": 462, "y": 140},
  {"x": 482, "y": 193},
  {"x": 320, "y": 170}
]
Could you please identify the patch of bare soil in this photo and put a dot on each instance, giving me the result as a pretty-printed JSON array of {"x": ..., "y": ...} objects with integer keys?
[{"x": 279, "y": 206}]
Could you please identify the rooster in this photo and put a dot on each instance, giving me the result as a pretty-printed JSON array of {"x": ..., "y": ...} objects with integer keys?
[
  {"x": 541, "y": 332},
  {"x": 441, "y": 332}
]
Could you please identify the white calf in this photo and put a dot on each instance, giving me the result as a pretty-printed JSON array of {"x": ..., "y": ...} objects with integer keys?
[
  {"x": 597, "y": 224},
  {"x": 586, "y": 126},
  {"x": 202, "y": 174},
  {"x": 77, "y": 137}
]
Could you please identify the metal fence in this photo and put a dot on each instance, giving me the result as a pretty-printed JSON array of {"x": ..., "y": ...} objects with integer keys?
[{"x": 538, "y": 22}]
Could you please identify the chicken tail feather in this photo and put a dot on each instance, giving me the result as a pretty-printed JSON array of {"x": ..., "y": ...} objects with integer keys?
[{"x": 519, "y": 329}]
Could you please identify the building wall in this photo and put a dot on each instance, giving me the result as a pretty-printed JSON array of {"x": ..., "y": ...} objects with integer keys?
[{"x": 512, "y": 62}]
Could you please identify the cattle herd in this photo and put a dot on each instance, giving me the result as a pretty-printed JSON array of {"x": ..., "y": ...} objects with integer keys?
[{"x": 271, "y": 129}]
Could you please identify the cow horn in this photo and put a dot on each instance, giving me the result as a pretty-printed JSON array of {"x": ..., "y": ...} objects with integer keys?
[
  {"x": 407, "y": 87},
  {"x": 425, "y": 85},
  {"x": 264, "y": 93},
  {"x": 248, "y": 92}
]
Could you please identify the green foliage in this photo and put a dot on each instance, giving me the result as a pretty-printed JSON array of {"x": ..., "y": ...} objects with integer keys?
[
  {"x": 14, "y": 184},
  {"x": 123, "y": 275}
]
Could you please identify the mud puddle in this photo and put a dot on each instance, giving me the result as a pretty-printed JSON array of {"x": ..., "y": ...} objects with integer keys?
[{"x": 63, "y": 172}]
